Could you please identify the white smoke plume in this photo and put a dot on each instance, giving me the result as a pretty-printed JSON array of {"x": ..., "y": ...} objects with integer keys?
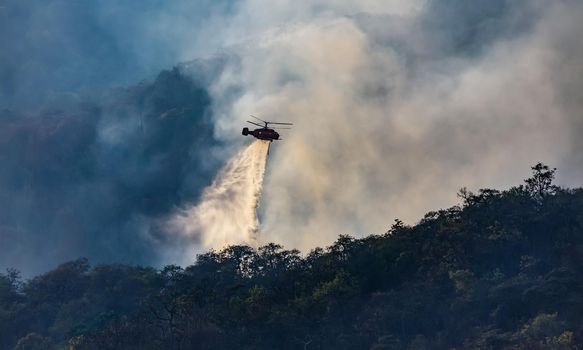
[
  {"x": 227, "y": 211},
  {"x": 397, "y": 107}
]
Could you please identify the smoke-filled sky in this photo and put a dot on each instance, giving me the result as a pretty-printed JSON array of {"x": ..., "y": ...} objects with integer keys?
[{"x": 395, "y": 104}]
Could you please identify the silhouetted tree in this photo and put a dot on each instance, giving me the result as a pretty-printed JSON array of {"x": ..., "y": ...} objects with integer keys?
[{"x": 540, "y": 184}]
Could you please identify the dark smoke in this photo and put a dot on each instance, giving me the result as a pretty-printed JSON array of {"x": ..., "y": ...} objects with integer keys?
[
  {"x": 93, "y": 179},
  {"x": 63, "y": 49}
]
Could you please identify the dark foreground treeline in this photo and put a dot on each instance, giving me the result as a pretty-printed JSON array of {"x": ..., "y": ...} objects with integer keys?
[{"x": 502, "y": 270}]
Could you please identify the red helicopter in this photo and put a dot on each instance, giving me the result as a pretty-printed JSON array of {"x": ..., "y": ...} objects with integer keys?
[{"x": 264, "y": 133}]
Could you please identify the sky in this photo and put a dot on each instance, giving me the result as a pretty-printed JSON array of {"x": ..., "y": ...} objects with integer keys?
[{"x": 396, "y": 105}]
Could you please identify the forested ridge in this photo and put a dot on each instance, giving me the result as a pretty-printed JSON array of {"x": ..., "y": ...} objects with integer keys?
[{"x": 504, "y": 269}]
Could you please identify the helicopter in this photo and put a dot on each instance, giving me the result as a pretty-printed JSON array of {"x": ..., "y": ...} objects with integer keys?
[{"x": 265, "y": 132}]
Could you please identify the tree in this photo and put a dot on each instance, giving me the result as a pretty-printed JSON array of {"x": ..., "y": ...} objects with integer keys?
[
  {"x": 10, "y": 284},
  {"x": 540, "y": 184}
]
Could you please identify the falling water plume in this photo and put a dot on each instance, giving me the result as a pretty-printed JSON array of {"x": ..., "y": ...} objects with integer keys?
[{"x": 227, "y": 211}]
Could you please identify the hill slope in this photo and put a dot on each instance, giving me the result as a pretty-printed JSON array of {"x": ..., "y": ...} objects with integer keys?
[{"x": 502, "y": 270}]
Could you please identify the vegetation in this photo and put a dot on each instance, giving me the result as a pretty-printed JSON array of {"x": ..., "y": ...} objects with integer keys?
[{"x": 504, "y": 269}]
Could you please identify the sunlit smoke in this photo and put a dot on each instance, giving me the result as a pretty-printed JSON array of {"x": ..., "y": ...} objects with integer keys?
[
  {"x": 394, "y": 113},
  {"x": 227, "y": 211}
]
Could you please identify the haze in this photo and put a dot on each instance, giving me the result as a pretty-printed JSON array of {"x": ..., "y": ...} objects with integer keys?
[{"x": 396, "y": 105}]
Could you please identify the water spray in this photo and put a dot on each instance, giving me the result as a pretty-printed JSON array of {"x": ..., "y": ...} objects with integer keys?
[{"x": 227, "y": 211}]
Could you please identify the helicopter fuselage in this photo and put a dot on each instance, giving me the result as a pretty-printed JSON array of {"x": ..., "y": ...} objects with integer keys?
[{"x": 262, "y": 133}]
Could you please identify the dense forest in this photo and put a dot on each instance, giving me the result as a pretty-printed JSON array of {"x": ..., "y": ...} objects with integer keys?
[{"x": 504, "y": 269}]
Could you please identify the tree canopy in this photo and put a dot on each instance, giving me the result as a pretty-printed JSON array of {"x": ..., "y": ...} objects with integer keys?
[{"x": 504, "y": 269}]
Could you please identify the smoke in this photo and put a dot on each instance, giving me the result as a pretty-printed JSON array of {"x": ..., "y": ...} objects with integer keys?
[
  {"x": 397, "y": 107},
  {"x": 227, "y": 211},
  {"x": 96, "y": 180},
  {"x": 68, "y": 49}
]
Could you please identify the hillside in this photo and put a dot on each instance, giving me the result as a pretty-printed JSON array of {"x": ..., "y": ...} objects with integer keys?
[
  {"x": 504, "y": 269},
  {"x": 93, "y": 175}
]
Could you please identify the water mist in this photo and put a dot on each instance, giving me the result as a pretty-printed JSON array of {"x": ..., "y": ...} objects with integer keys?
[{"x": 227, "y": 211}]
